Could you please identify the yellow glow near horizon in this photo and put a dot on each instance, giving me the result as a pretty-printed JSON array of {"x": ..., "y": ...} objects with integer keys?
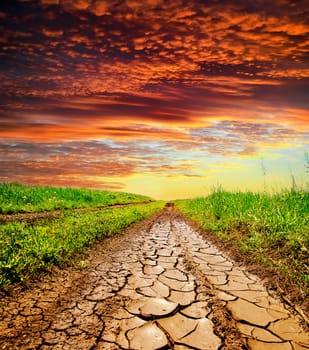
[
  {"x": 179, "y": 187},
  {"x": 193, "y": 97}
]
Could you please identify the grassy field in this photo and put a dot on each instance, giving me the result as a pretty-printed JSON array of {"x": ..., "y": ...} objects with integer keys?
[
  {"x": 17, "y": 198},
  {"x": 25, "y": 248},
  {"x": 271, "y": 229}
]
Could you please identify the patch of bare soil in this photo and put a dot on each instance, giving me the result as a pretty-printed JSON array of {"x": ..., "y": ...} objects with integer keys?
[
  {"x": 32, "y": 217},
  {"x": 158, "y": 285}
]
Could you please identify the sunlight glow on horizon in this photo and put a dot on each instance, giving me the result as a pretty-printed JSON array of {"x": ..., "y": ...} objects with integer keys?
[{"x": 163, "y": 98}]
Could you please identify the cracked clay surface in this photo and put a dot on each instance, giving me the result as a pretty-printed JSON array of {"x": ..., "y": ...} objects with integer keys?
[{"x": 159, "y": 286}]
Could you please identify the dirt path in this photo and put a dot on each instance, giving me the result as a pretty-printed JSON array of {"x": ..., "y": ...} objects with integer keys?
[
  {"x": 33, "y": 217},
  {"x": 158, "y": 286}
]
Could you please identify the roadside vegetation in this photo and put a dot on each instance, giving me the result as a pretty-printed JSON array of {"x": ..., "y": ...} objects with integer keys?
[
  {"x": 269, "y": 229},
  {"x": 18, "y": 198},
  {"x": 26, "y": 249}
]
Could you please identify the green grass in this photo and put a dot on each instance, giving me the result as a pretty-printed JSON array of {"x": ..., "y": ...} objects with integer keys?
[
  {"x": 273, "y": 229},
  {"x": 18, "y": 198},
  {"x": 25, "y": 248}
]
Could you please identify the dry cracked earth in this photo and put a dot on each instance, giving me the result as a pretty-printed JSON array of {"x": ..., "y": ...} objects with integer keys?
[{"x": 158, "y": 286}]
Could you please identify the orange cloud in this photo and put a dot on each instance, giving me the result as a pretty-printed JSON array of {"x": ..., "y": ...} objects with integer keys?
[
  {"x": 75, "y": 4},
  {"x": 160, "y": 49},
  {"x": 167, "y": 83},
  {"x": 52, "y": 33},
  {"x": 50, "y": 2},
  {"x": 100, "y": 8}
]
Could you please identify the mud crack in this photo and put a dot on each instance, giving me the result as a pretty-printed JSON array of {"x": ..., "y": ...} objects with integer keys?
[{"x": 158, "y": 286}]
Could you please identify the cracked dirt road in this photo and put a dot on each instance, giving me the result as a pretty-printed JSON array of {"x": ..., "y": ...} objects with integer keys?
[{"x": 159, "y": 286}]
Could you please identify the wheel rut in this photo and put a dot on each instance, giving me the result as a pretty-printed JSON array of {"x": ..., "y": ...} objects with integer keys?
[{"x": 158, "y": 286}]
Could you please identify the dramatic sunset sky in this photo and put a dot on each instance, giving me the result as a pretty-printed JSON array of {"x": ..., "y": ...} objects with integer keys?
[{"x": 167, "y": 98}]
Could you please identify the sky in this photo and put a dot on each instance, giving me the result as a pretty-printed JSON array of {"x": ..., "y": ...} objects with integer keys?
[{"x": 168, "y": 98}]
